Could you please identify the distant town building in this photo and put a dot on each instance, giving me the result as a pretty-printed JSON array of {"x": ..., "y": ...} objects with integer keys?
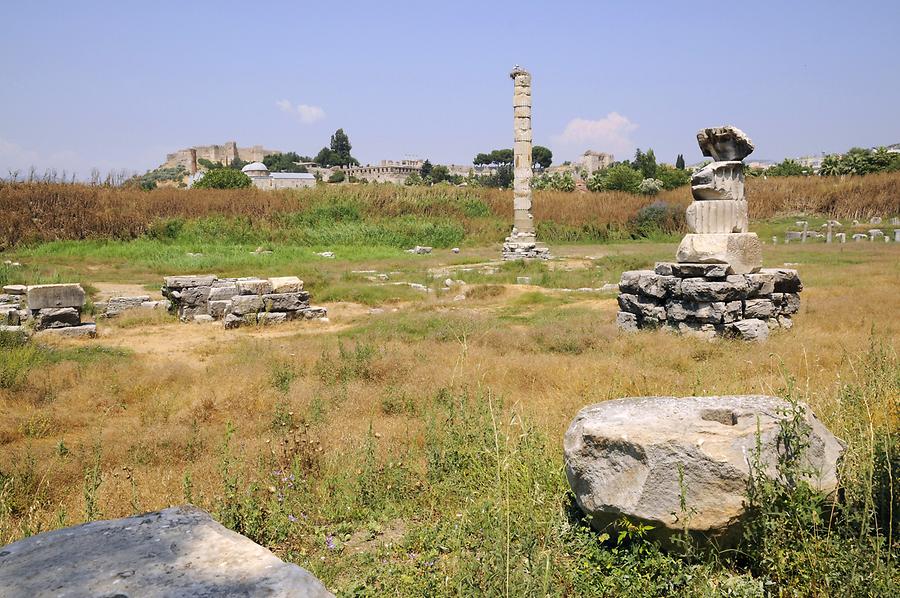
[
  {"x": 386, "y": 171},
  {"x": 269, "y": 181},
  {"x": 224, "y": 154}
]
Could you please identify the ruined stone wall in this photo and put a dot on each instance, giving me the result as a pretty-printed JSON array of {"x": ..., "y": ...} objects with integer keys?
[{"x": 216, "y": 153}]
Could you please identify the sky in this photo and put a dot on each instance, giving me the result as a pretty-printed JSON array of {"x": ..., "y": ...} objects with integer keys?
[{"x": 117, "y": 84}]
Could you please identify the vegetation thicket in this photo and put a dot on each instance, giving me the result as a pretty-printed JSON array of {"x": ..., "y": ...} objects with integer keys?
[
  {"x": 223, "y": 178},
  {"x": 35, "y": 212}
]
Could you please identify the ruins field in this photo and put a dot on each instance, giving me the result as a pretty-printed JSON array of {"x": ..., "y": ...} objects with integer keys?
[{"x": 410, "y": 443}]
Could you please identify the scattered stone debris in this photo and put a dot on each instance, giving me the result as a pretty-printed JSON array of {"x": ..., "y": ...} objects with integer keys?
[
  {"x": 455, "y": 250},
  {"x": 621, "y": 459},
  {"x": 239, "y": 301},
  {"x": 523, "y": 280},
  {"x": 326, "y": 254},
  {"x": 189, "y": 254},
  {"x": 179, "y": 551},
  {"x": 261, "y": 251},
  {"x": 419, "y": 250}
]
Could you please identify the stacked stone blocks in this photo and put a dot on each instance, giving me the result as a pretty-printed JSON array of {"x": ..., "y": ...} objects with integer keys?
[
  {"x": 709, "y": 300},
  {"x": 239, "y": 301},
  {"x": 48, "y": 309}
]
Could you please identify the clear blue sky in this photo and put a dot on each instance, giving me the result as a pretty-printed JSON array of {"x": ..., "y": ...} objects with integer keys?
[{"x": 119, "y": 84}]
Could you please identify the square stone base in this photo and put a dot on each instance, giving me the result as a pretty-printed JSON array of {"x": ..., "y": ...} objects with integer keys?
[{"x": 742, "y": 251}]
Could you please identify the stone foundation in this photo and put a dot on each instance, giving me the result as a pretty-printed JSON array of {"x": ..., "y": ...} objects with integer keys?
[
  {"x": 709, "y": 300},
  {"x": 516, "y": 250},
  {"x": 45, "y": 309},
  {"x": 239, "y": 301}
]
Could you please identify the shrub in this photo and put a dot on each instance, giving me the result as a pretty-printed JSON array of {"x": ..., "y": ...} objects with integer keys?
[
  {"x": 650, "y": 186},
  {"x": 336, "y": 177},
  {"x": 223, "y": 178}
]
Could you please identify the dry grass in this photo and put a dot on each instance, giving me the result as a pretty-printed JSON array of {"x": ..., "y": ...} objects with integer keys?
[
  {"x": 48, "y": 211},
  {"x": 160, "y": 413}
]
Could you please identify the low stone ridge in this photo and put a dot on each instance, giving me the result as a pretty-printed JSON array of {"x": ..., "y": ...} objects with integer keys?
[
  {"x": 180, "y": 551},
  {"x": 240, "y": 301},
  {"x": 637, "y": 458},
  {"x": 115, "y": 306},
  {"x": 708, "y": 300}
]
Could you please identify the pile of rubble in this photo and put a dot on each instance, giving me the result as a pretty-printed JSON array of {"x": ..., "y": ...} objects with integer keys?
[
  {"x": 48, "y": 309},
  {"x": 709, "y": 299},
  {"x": 239, "y": 301}
]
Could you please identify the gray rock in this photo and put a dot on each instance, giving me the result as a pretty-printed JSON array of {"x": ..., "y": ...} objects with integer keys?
[
  {"x": 285, "y": 301},
  {"x": 117, "y": 305},
  {"x": 246, "y": 304},
  {"x": 180, "y": 551},
  {"x": 637, "y": 457},
  {"x": 787, "y": 303},
  {"x": 286, "y": 284},
  {"x": 724, "y": 143},
  {"x": 56, "y": 317},
  {"x": 759, "y": 308},
  {"x": 195, "y": 296},
  {"x": 785, "y": 280},
  {"x": 760, "y": 284},
  {"x": 641, "y": 306},
  {"x": 785, "y": 322},
  {"x": 629, "y": 283},
  {"x": 218, "y": 309},
  {"x": 657, "y": 286},
  {"x": 627, "y": 321},
  {"x": 693, "y": 270},
  {"x": 699, "y": 289},
  {"x": 734, "y": 310},
  {"x": 9, "y": 316},
  {"x": 189, "y": 280},
  {"x": 314, "y": 313},
  {"x": 15, "y": 289},
  {"x": 43, "y": 296},
  {"x": 275, "y": 317},
  {"x": 203, "y": 319},
  {"x": 419, "y": 250},
  {"x": 749, "y": 330},
  {"x": 697, "y": 329},
  {"x": 254, "y": 287},
  {"x": 699, "y": 311},
  {"x": 81, "y": 330},
  {"x": 223, "y": 291}
]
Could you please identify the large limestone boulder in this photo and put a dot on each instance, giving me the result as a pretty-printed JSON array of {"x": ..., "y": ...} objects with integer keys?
[
  {"x": 179, "y": 551},
  {"x": 637, "y": 457}
]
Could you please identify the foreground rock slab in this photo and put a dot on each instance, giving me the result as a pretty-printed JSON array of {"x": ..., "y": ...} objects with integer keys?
[
  {"x": 637, "y": 457},
  {"x": 180, "y": 551}
]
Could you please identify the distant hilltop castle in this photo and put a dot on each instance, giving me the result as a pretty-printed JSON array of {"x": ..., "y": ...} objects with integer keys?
[{"x": 226, "y": 154}]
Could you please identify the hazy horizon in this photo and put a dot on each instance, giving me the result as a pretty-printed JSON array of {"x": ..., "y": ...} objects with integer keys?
[{"x": 110, "y": 86}]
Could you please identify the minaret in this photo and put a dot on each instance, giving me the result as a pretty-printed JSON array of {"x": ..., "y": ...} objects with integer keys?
[{"x": 522, "y": 242}]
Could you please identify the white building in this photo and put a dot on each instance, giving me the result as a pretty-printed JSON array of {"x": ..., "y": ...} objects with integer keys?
[{"x": 268, "y": 181}]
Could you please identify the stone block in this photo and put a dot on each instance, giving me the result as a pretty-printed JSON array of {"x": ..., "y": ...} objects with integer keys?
[
  {"x": 44, "y": 296},
  {"x": 15, "y": 289},
  {"x": 627, "y": 321},
  {"x": 750, "y": 329},
  {"x": 286, "y": 284},
  {"x": 742, "y": 251},
  {"x": 790, "y": 304},
  {"x": 189, "y": 280},
  {"x": 254, "y": 287},
  {"x": 761, "y": 283},
  {"x": 657, "y": 286},
  {"x": 313, "y": 313},
  {"x": 785, "y": 322},
  {"x": 117, "y": 305},
  {"x": 697, "y": 329},
  {"x": 734, "y": 310},
  {"x": 187, "y": 312},
  {"x": 641, "y": 306},
  {"x": 219, "y": 308},
  {"x": 246, "y": 304},
  {"x": 223, "y": 292},
  {"x": 274, "y": 317},
  {"x": 734, "y": 287},
  {"x": 717, "y": 216},
  {"x": 203, "y": 319},
  {"x": 759, "y": 308},
  {"x": 285, "y": 301},
  {"x": 88, "y": 330},
  {"x": 650, "y": 459},
  {"x": 629, "y": 283},
  {"x": 194, "y": 296},
  {"x": 693, "y": 270},
  {"x": 699, "y": 311},
  {"x": 179, "y": 551},
  {"x": 785, "y": 280},
  {"x": 56, "y": 317}
]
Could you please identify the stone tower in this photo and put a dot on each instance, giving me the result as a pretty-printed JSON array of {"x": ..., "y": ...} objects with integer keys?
[{"x": 522, "y": 241}]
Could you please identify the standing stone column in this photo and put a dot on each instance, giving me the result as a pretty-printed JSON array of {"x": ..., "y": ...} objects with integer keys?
[{"x": 522, "y": 242}]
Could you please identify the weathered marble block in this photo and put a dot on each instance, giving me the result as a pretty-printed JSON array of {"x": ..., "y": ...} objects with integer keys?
[
  {"x": 742, "y": 251},
  {"x": 43, "y": 296},
  {"x": 717, "y": 216}
]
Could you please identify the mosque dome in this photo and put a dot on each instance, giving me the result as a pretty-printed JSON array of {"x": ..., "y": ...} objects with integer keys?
[{"x": 255, "y": 169}]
